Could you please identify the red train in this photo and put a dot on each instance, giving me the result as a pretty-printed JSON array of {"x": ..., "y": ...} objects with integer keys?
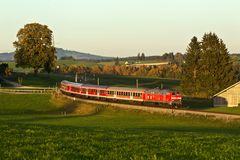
[{"x": 121, "y": 93}]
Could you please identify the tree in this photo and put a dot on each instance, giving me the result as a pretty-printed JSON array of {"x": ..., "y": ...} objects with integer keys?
[
  {"x": 34, "y": 48},
  {"x": 5, "y": 70},
  {"x": 138, "y": 57},
  {"x": 142, "y": 57},
  {"x": 207, "y": 68},
  {"x": 216, "y": 66},
  {"x": 168, "y": 56},
  {"x": 191, "y": 68},
  {"x": 117, "y": 63},
  {"x": 178, "y": 58}
]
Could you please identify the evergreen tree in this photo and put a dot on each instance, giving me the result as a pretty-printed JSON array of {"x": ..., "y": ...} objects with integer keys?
[
  {"x": 207, "y": 68},
  {"x": 216, "y": 68},
  {"x": 191, "y": 68}
]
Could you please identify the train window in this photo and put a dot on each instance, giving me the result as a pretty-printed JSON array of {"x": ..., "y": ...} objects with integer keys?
[
  {"x": 111, "y": 92},
  {"x": 75, "y": 89},
  {"x": 102, "y": 92}
]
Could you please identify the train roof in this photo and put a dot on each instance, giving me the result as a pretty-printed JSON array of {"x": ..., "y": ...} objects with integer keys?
[
  {"x": 126, "y": 89},
  {"x": 72, "y": 83},
  {"x": 94, "y": 86},
  {"x": 157, "y": 91}
]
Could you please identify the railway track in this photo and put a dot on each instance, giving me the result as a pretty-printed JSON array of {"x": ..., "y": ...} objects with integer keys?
[{"x": 171, "y": 111}]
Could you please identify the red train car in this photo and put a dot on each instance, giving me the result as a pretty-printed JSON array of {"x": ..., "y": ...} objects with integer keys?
[{"x": 121, "y": 93}]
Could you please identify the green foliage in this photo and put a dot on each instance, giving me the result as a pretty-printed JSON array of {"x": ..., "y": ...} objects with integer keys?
[
  {"x": 40, "y": 80},
  {"x": 33, "y": 128},
  {"x": 5, "y": 70},
  {"x": 225, "y": 109},
  {"x": 217, "y": 69},
  {"x": 34, "y": 47},
  {"x": 208, "y": 68},
  {"x": 191, "y": 68},
  {"x": 22, "y": 104},
  {"x": 117, "y": 63}
]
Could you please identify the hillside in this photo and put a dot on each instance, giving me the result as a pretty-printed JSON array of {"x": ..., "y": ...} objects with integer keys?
[{"x": 61, "y": 53}]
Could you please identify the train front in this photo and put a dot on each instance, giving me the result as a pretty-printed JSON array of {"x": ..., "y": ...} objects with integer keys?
[{"x": 176, "y": 98}]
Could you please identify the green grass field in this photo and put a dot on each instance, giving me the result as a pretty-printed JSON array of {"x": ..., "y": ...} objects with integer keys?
[
  {"x": 130, "y": 81},
  {"x": 34, "y": 127},
  {"x": 230, "y": 110},
  {"x": 50, "y": 80},
  {"x": 40, "y": 80}
]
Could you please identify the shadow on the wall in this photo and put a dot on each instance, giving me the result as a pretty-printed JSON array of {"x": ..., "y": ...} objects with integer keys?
[{"x": 220, "y": 101}]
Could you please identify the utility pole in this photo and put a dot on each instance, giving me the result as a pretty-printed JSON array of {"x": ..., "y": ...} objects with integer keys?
[
  {"x": 76, "y": 77},
  {"x": 161, "y": 85},
  {"x": 98, "y": 81},
  {"x": 136, "y": 83}
]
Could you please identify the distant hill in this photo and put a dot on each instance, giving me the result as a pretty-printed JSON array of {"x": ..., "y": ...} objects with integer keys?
[
  {"x": 6, "y": 56},
  {"x": 61, "y": 53}
]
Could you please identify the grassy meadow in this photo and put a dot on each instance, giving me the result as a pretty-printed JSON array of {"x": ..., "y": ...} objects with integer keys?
[
  {"x": 50, "y": 127},
  {"x": 50, "y": 80}
]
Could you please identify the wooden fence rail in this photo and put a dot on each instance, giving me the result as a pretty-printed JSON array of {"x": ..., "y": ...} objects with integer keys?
[{"x": 28, "y": 90}]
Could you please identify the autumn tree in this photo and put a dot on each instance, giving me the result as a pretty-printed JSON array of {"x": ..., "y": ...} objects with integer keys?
[
  {"x": 96, "y": 69},
  {"x": 107, "y": 69},
  {"x": 34, "y": 47}
]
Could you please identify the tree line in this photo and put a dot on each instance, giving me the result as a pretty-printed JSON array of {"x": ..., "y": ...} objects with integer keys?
[{"x": 172, "y": 71}]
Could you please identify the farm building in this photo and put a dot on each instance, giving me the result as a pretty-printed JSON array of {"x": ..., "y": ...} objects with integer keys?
[{"x": 229, "y": 97}]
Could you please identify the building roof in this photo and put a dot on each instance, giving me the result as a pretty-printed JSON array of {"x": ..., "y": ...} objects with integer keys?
[
  {"x": 227, "y": 89},
  {"x": 157, "y": 91},
  {"x": 149, "y": 64}
]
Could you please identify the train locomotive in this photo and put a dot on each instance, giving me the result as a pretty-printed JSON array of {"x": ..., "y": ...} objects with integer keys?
[{"x": 156, "y": 96}]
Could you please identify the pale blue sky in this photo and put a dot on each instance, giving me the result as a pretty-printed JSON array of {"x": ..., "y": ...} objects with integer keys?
[{"x": 123, "y": 27}]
